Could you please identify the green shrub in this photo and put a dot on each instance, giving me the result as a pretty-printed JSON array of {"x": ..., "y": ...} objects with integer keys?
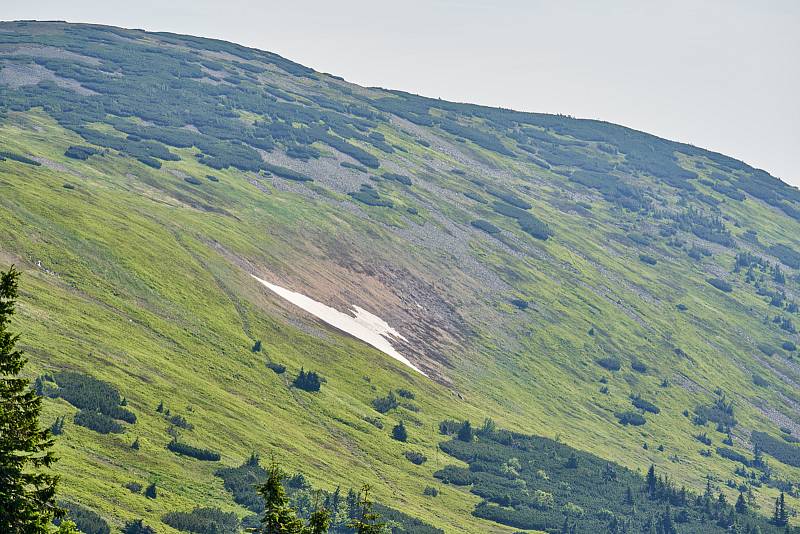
[
  {"x": 612, "y": 364},
  {"x": 385, "y": 404},
  {"x": 288, "y": 174},
  {"x": 475, "y": 196},
  {"x": 87, "y": 521},
  {"x": 180, "y": 422},
  {"x": 137, "y": 526},
  {"x": 720, "y": 284},
  {"x": 308, "y": 381},
  {"x": 348, "y": 165},
  {"x": 630, "y": 418},
  {"x": 400, "y": 178},
  {"x": 18, "y": 158},
  {"x": 374, "y": 421},
  {"x": 369, "y": 196},
  {"x": 90, "y": 394},
  {"x": 768, "y": 350},
  {"x": 529, "y": 223},
  {"x": 731, "y": 454},
  {"x": 276, "y": 367},
  {"x": 415, "y": 458},
  {"x": 642, "y": 404},
  {"x": 520, "y": 304},
  {"x": 80, "y": 152},
  {"x": 195, "y": 452},
  {"x": 98, "y": 422},
  {"x": 783, "y": 451},
  {"x": 203, "y": 521},
  {"x": 399, "y": 432},
  {"x": 703, "y": 438},
  {"x": 486, "y": 226},
  {"x": 760, "y": 381}
]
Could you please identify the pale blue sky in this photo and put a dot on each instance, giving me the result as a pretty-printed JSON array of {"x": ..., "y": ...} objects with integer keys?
[{"x": 721, "y": 74}]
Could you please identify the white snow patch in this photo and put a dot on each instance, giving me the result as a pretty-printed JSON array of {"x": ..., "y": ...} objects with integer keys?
[{"x": 365, "y": 326}]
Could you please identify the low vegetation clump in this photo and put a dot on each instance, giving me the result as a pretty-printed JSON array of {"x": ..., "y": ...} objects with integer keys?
[
  {"x": 137, "y": 526},
  {"x": 529, "y": 223},
  {"x": 630, "y": 418},
  {"x": 88, "y": 521},
  {"x": 782, "y": 450},
  {"x": 353, "y": 166},
  {"x": 81, "y": 152},
  {"x": 288, "y": 174},
  {"x": 644, "y": 405},
  {"x": 520, "y": 304},
  {"x": 247, "y": 483},
  {"x": 760, "y": 381},
  {"x": 475, "y": 196},
  {"x": 720, "y": 284},
  {"x": 406, "y": 394},
  {"x": 185, "y": 449},
  {"x": 612, "y": 364},
  {"x": 399, "y": 178},
  {"x": 534, "y": 483},
  {"x": 180, "y": 422},
  {"x": 87, "y": 393},
  {"x": 277, "y": 368},
  {"x": 399, "y": 432},
  {"x": 99, "y": 422},
  {"x": 13, "y": 156},
  {"x": 486, "y": 226},
  {"x": 720, "y": 412},
  {"x": 308, "y": 381},
  {"x": 369, "y": 196},
  {"x": 703, "y": 438},
  {"x": 767, "y": 349},
  {"x": 203, "y": 521},
  {"x": 733, "y": 455},
  {"x": 415, "y": 458},
  {"x": 386, "y": 404}
]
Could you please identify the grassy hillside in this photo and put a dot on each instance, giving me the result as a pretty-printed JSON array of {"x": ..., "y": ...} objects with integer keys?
[{"x": 547, "y": 272}]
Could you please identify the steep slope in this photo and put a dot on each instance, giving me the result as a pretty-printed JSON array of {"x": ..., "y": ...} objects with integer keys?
[{"x": 548, "y": 272}]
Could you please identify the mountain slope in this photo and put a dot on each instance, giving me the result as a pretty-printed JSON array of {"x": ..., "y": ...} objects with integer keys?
[{"x": 544, "y": 271}]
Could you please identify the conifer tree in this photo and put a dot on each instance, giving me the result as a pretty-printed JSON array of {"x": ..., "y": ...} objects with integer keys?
[
  {"x": 399, "y": 432},
  {"x": 465, "y": 433},
  {"x": 366, "y": 521},
  {"x": 741, "y": 505},
  {"x": 651, "y": 481},
  {"x": 279, "y": 517},
  {"x": 628, "y": 496},
  {"x": 780, "y": 517},
  {"x": 27, "y": 492},
  {"x": 319, "y": 522}
]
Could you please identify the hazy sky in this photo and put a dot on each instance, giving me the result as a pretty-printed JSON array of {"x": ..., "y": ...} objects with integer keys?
[{"x": 723, "y": 75}]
